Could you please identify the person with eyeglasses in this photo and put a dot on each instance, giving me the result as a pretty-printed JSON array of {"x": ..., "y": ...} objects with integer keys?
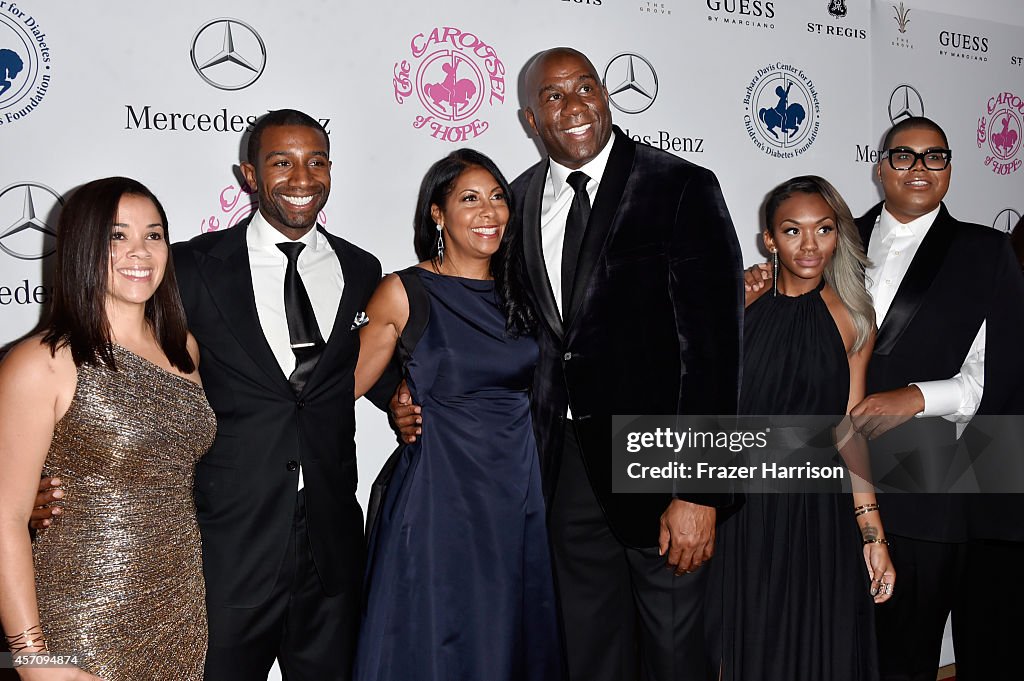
[{"x": 950, "y": 303}]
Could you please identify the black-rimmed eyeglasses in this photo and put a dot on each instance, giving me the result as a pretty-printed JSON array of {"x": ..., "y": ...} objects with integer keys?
[{"x": 902, "y": 158}]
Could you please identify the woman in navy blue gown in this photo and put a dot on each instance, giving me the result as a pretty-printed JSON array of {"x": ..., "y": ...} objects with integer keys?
[
  {"x": 794, "y": 575},
  {"x": 459, "y": 583}
]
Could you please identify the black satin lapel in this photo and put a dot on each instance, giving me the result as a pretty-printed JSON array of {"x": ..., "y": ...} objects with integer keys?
[
  {"x": 609, "y": 196},
  {"x": 356, "y": 285},
  {"x": 534, "y": 251},
  {"x": 229, "y": 281},
  {"x": 866, "y": 225},
  {"x": 923, "y": 269}
]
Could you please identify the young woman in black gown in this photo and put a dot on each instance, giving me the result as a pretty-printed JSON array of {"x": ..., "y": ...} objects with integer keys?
[
  {"x": 791, "y": 598},
  {"x": 459, "y": 581}
]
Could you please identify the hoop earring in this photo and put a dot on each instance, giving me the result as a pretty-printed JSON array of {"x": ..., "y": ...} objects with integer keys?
[
  {"x": 775, "y": 272},
  {"x": 440, "y": 244}
]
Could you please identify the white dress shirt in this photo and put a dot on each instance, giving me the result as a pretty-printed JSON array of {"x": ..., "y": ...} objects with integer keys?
[
  {"x": 554, "y": 211},
  {"x": 891, "y": 250},
  {"x": 321, "y": 274}
]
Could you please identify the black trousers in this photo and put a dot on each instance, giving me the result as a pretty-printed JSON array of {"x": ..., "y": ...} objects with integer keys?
[
  {"x": 625, "y": 615},
  {"x": 993, "y": 634},
  {"x": 311, "y": 634},
  {"x": 929, "y": 585}
]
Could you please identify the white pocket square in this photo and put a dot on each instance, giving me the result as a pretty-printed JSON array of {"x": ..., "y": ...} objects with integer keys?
[{"x": 360, "y": 321}]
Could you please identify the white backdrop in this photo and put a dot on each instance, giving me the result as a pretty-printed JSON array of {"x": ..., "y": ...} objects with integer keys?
[{"x": 163, "y": 92}]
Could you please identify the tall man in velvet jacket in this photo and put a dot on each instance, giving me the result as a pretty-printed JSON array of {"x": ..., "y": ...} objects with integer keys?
[
  {"x": 950, "y": 303},
  {"x": 640, "y": 310}
]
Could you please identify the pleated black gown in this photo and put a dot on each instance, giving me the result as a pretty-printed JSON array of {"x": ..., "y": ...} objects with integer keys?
[{"x": 788, "y": 593}]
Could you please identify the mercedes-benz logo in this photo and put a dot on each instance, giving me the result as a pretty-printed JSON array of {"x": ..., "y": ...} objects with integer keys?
[
  {"x": 228, "y": 54},
  {"x": 905, "y": 102},
  {"x": 635, "y": 84},
  {"x": 1006, "y": 220},
  {"x": 23, "y": 233}
]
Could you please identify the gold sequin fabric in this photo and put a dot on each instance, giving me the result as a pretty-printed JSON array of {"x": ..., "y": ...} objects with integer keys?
[{"x": 119, "y": 576}]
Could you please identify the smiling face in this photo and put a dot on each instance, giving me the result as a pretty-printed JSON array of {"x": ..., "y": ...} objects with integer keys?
[
  {"x": 909, "y": 194},
  {"x": 568, "y": 107},
  {"x": 803, "y": 230},
  {"x": 474, "y": 216},
  {"x": 292, "y": 174},
  {"x": 138, "y": 252}
]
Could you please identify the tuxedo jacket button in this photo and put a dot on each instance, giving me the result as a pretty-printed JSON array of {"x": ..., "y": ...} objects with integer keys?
[
  {"x": 567, "y": 356},
  {"x": 300, "y": 404},
  {"x": 293, "y": 465}
]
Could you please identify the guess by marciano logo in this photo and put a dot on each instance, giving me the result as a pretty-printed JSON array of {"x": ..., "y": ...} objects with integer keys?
[
  {"x": 24, "y": 63},
  {"x": 455, "y": 76},
  {"x": 1000, "y": 130},
  {"x": 749, "y": 13}
]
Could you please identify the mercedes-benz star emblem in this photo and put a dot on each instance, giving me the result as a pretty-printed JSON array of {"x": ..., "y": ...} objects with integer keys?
[
  {"x": 24, "y": 234},
  {"x": 1006, "y": 220},
  {"x": 635, "y": 83},
  {"x": 228, "y": 54},
  {"x": 905, "y": 102}
]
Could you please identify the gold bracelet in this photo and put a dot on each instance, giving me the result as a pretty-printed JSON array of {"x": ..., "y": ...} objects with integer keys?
[
  {"x": 30, "y": 638},
  {"x": 866, "y": 508},
  {"x": 879, "y": 540}
]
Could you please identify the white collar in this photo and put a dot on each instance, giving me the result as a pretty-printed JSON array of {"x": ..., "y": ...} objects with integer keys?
[
  {"x": 889, "y": 226},
  {"x": 263, "y": 236},
  {"x": 594, "y": 168}
]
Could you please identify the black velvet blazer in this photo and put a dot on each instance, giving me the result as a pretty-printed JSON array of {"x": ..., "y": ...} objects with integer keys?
[{"x": 656, "y": 321}]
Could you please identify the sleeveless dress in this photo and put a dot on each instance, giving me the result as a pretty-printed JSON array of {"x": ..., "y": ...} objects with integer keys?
[
  {"x": 459, "y": 581},
  {"x": 788, "y": 588},
  {"x": 119, "y": 576}
]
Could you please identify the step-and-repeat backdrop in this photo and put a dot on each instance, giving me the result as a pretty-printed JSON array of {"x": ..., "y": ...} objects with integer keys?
[{"x": 165, "y": 93}]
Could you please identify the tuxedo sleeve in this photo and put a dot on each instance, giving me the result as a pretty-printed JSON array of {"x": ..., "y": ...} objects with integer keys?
[{"x": 706, "y": 289}]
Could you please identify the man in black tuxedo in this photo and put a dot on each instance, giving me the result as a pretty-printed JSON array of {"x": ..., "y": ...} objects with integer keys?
[
  {"x": 949, "y": 298},
  {"x": 282, "y": 532},
  {"x": 635, "y": 274}
]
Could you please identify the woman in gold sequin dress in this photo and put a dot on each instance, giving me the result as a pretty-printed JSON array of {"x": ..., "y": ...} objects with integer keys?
[{"x": 107, "y": 398}]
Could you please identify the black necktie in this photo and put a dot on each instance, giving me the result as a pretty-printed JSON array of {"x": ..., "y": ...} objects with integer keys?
[
  {"x": 303, "y": 331},
  {"x": 575, "y": 227}
]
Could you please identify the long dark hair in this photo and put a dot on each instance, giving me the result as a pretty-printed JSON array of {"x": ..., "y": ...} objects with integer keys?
[
  {"x": 507, "y": 266},
  {"x": 77, "y": 317},
  {"x": 845, "y": 272}
]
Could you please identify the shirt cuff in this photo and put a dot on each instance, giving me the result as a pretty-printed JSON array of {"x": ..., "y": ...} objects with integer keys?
[{"x": 941, "y": 398}]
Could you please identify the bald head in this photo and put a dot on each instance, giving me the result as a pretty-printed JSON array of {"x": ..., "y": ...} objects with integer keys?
[{"x": 567, "y": 106}]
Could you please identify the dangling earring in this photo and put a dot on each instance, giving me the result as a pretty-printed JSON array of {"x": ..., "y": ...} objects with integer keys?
[
  {"x": 775, "y": 272},
  {"x": 440, "y": 245}
]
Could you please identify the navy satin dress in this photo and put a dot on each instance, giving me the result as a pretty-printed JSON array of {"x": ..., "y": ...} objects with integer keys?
[{"x": 459, "y": 581}]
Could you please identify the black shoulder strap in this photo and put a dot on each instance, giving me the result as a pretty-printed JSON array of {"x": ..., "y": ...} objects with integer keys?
[{"x": 419, "y": 311}]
